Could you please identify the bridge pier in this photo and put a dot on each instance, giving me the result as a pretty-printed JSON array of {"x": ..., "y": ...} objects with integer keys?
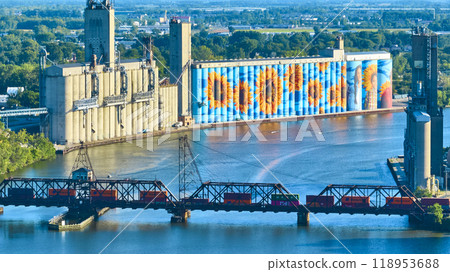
[
  {"x": 180, "y": 216},
  {"x": 303, "y": 218}
]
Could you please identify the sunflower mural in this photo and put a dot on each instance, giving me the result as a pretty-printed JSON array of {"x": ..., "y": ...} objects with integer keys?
[
  {"x": 314, "y": 92},
  {"x": 338, "y": 95},
  {"x": 343, "y": 84},
  {"x": 298, "y": 77},
  {"x": 242, "y": 97},
  {"x": 218, "y": 91},
  {"x": 323, "y": 67},
  {"x": 311, "y": 92},
  {"x": 386, "y": 88},
  {"x": 384, "y": 83},
  {"x": 289, "y": 77},
  {"x": 320, "y": 88},
  {"x": 269, "y": 90},
  {"x": 370, "y": 86}
]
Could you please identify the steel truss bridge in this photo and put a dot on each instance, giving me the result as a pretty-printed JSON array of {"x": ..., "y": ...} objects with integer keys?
[
  {"x": 129, "y": 196},
  {"x": 91, "y": 194}
]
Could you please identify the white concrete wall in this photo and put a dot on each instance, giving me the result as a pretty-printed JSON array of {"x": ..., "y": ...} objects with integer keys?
[{"x": 66, "y": 84}]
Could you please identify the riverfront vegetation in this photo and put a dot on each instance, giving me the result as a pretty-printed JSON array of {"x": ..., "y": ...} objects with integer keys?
[
  {"x": 422, "y": 192},
  {"x": 21, "y": 149},
  {"x": 60, "y": 30},
  {"x": 437, "y": 211}
]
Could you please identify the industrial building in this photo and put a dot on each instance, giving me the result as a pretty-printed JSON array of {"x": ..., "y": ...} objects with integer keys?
[
  {"x": 250, "y": 89},
  {"x": 423, "y": 146},
  {"x": 106, "y": 98}
]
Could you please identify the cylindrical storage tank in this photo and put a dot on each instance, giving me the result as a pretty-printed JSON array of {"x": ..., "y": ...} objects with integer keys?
[
  {"x": 68, "y": 107},
  {"x": 204, "y": 91},
  {"x": 77, "y": 88},
  {"x": 285, "y": 77},
  {"x": 304, "y": 89},
  {"x": 422, "y": 132},
  {"x": 236, "y": 106},
  {"x": 354, "y": 85},
  {"x": 297, "y": 70},
  {"x": 128, "y": 110},
  {"x": 269, "y": 91},
  {"x": 251, "y": 95},
  {"x": 316, "y": 88},
  {"x": 196, "y": 95},
  {"x": 256, "y": 107},
  {"x": 243, "y": 92},
  {"x": 344, "y": 86},
  {"x": 369, "y": 84},
  {"x": 280, "y": 93},
  {"x": 275, "y": 91},
  {"x": 210, "y": 95},
  {"x": 224, "y": 95},
  {"x": 230, "y": 94},
  {"x": 291, "y": 87},
  {"x": 338, "y": 87},
  {"x": 261, "y": 81},
  {"x": 327, "y": 87},
  {"x": 322, "y": 88},
  {"x": 385, "y": 83},
  {"x": 333, "y": 87},
  {"x": 311, "y": 89},
  {"x": 217, "y": 87}
]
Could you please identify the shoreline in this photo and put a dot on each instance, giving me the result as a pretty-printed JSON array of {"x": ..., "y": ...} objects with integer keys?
[{"x": 67, "y": 149}]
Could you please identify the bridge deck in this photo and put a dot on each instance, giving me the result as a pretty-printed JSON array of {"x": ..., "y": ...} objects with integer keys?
[
  {"x": 129, "y": 195},
  {"x": 23, "y": 112}
]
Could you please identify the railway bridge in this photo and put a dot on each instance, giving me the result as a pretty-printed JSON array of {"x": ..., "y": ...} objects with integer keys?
[{"x": 82, "y": 191}]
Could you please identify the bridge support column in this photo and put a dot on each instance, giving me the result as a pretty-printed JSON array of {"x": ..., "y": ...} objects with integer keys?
[
  {"x": 415, "y": 219},
  {"x": 303, "y": 218},
  {"x": 180, "y": 216}
]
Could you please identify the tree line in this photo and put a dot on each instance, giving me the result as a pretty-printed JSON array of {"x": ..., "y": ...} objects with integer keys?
[{"x": 21, "y": 149}]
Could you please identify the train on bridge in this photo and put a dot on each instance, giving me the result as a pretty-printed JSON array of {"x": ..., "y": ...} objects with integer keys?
[{"x": 82, "y": 191}]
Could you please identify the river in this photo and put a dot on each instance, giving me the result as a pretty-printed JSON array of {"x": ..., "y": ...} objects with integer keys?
[{"x": 354, "y": 152}]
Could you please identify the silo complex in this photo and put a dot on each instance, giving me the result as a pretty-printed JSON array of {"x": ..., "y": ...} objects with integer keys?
[
  {"x": 106, "y": 98},
  {"x": 232, "y": 90}
]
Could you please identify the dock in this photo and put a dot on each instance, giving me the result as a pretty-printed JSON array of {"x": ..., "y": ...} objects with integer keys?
[
  {"x": 58, "y": 222},
  {"x": 397, "y": 167}
]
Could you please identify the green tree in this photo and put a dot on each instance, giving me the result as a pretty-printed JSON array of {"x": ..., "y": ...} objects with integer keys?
[
  {"x": 422, "y": 192},
  {"x": 437, "y": 211},
  {"x": 202, "y": 53}
]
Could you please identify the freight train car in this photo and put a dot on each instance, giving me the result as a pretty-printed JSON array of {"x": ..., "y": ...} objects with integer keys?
[
  {"x": 285, "y": 200},
  {"x": 430, "y": 201},
  {"x": 21, "y": 193},
  {"x": 356, "y": 201},
  {"x": 103, "y": 195},
  {"x": 155, "y": 197},
  {"x": 319, "y": 201},
  {"x": 404, "y": 203},
  {"x": 195, "y": 201},
  {"x": 63, "y": 194},
  {"x": 237, "y": 198}
]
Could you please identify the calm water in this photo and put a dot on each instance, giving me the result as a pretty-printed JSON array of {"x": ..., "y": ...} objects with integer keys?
[{"x": 354, "y": 152}]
